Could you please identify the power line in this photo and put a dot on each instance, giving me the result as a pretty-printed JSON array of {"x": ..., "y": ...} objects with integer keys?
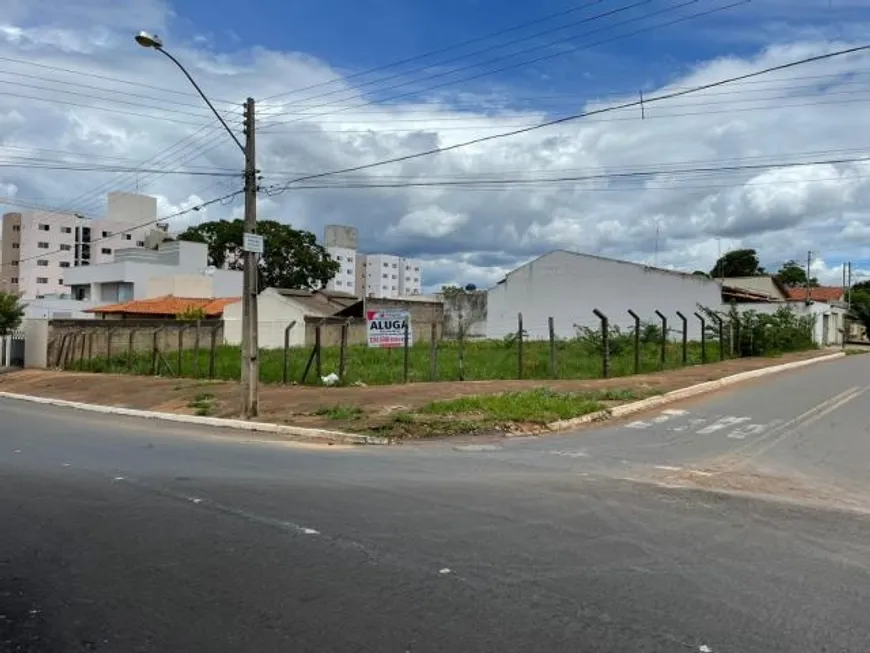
[
  {"x": 562, "y": 52},
  {"x": 570, "y": 118},
  {"x": 94, "y": 168}
]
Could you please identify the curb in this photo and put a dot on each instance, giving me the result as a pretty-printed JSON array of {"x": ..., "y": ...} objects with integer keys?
[
  {"x": 321, "y": 435},
  {"x": 684, "y": 393}
]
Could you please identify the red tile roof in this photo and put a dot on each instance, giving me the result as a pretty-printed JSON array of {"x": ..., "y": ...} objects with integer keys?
[
  {"x": 169, "y": 305},
  {"x": 818, "y": 294}
]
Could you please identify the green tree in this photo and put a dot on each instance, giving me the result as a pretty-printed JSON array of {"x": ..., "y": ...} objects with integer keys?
[
  {"x": 11, "y": 312},
  {"x": 859, "y": 299},
  {"x": 793, "y": 274},
  {"x": 737, "y": 263},
  {"x": 701, "y": 273},
  {"x": 292, "y": 258}
]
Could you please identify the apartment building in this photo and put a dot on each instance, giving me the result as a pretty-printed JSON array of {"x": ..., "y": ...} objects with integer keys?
[
  {"x": 38, "y": 247},
  {"x": 370, "y": 275}
]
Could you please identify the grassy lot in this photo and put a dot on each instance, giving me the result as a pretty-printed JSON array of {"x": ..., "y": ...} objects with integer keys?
[{"x": 480, "y": 360}]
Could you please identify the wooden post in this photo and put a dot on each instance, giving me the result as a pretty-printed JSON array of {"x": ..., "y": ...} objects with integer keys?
[
  {"x": 212, "y": 350},
  {"x": 461, "y": 352},
  {"x": 130, "y": 350},
  {"x": 405, "y": 352},
  {"x": 636, "y": 340},
  {"x": 703, "y": 337},
  {"x": 285, "y": 372},
  {"x": 433, "y": 353},
  {"x": 196, "y": 350},
  {"x": 318, "y": 359},
  {"x": 342, "y": 352},
  {"x": 552, "y": 329},
  {"x": 605, "y": 342},
  {"x": 520, "y": 345}
]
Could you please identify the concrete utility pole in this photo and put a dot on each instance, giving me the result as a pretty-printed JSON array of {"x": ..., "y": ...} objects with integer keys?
[
  {"x": 809, "y": 263},
  {"x": 252, "y": 245},
  {"x": 250, "y": 345}
]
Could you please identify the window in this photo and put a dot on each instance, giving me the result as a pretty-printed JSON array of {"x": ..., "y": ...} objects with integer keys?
[
  {"x": 106, "y": 250},
  {"x": 65, "y": 248},
  {"x": 394, "y": 276},
  {"x": 64, "y": 264},
  {"x": 60, "y": 281},
  {"x": 41, "y": 280},
  {"x": 42, "y": 245},
  {"x": 106, "y": 234},
  {"x": 42, "y": 264},
  {"x": 386, "y": 276},
  {"x": 338, "y": 283},
  {"x": 386, "y": 265},
  {"x": 395, "y": 265},
  {"x": 16, "y": 246},
  {"x": 44, "y": 227},
  {"x": 394, "y": 287},
  {"x": 140, "y": 243},
  {"x": 128, "y": 237},
  {"x": 14, "y": 264},
  {"x": 417, "y": 269},
  {"x": 14, "y": 279},
  {"x": 416, "y": 279},
  {"x": 66, "y": 230},
  {"x": 350, "y": 259},
  {"x": 16, "y": 227},
  {"x": 338, "y": 258}
]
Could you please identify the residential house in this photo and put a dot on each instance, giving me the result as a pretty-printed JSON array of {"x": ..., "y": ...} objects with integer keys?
[{"x": 167, "y": 307}]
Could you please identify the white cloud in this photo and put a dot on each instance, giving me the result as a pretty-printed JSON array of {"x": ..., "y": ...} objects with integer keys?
[{"x": 466, "y": 234}]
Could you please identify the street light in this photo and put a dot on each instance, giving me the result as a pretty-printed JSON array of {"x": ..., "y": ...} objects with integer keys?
[{"x": 251, "y": 246}]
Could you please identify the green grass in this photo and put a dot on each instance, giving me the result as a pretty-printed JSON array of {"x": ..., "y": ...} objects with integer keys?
[
  {"x": 481, "y": 360},
  {"x": 340, "y": 412},
  {"x": 202, "y": 404},
  {"x": 539, "y": 406}
]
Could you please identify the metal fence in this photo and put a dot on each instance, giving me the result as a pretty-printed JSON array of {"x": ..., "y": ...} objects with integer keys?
[{"x": 12, "y": 350}]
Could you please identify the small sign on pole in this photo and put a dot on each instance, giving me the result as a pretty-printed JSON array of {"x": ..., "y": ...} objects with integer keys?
[
  {"x": 386, "y": 328},
  {"x": 252, "y": 243}
]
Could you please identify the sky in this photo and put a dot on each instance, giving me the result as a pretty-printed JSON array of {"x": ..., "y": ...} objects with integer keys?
[{"x": 779, "y": 163}]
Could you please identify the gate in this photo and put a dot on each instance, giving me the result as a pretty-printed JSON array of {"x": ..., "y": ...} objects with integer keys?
[{"x": 12, "y": 350}]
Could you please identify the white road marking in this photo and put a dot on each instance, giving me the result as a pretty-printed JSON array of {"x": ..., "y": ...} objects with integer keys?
[
  {"x": 698, "y": 472},
  {"x": 16, "y": 451},
  {"x": 446, "y": 570},
  {"x": 705, "y": 649},
  {"x": 638, "y": 425},
  {"x": 64, "y": 464},
  {"x": 571, "y": 454},
  {"x": 668, "y": 468},
  {"x": 747, "y": 430},
  {"x": 723, "y": 423},
  {"x": 310, "y": 531},
  {"x": 675, "y": 411},
  {"x": 119, "y": 478}
]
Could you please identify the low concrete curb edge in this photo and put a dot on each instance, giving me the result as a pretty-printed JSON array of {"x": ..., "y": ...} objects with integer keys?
[
  {"x": 322, "y": 435},
  {"x": 684, "y": 393}
]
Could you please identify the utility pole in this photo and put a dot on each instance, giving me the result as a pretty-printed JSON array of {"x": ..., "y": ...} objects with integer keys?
[
  {"x": 250, "y": 345},
  {"x": 849, "y": 286},
  {"x": 809, "y": 263}
]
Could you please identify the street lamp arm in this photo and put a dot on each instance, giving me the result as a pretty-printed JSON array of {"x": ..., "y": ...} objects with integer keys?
[{"x": 203, "y": 96}]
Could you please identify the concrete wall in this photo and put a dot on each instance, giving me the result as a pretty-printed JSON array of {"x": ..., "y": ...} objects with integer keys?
[
  {"x": 274, "y": 314},
  {"x": 339, "y": 235},
  {"x": 467, "y": 308},
  {"x": 96, "y": 336},
  {"x": 35, "y": 342},
  {"x": 568, "y": 286},
  {"x": 55, "y": 308}
]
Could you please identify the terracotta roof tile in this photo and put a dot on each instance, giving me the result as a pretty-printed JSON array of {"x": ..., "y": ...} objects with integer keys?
[
  {"x": 818, "y": 294},
  {"x": 169, "y": 305}
]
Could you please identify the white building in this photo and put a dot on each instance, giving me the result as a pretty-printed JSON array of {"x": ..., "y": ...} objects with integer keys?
[
  {"x": 568, "y": 286},
  {"x": 370, "y": 275},
  {"x": 176, "y": 268},
  {"x": 39, "y": 247}
]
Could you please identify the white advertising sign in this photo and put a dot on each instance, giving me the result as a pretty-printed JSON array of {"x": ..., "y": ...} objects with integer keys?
[{"x": 387, "y": 328}]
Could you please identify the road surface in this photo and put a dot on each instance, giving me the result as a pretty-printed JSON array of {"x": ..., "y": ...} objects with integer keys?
[{"x": 126, "y": 536}]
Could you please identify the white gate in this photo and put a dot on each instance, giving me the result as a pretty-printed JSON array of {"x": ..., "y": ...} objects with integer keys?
[{"x": 12, "y": 350}]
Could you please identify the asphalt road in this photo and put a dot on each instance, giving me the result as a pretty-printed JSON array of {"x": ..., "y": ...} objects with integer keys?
[{"x": 126, "y": 536}]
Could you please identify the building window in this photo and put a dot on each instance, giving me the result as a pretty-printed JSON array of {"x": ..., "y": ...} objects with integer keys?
[
  {"x": 386, "y": 265},
  {"x": 350, "y": 259},
  {"x": 60, "y": 281},
  {"x": 16, "y": 246},
  {"x": 395, "y": 265},
  {"x": 16, "y": 227},
  {"x": 14, "y": 279},
  {"x": 338, "y": 258},
  {"x": 417, "y": 269},
  {"x": 416, "y": 279},
  {"x": 394, "y": 287},
  {"x": 42, "y": 245},
  {"x": 14, "y": 264},
  {"x": 65, "y": 248},
  {"x": 349, "y": 271},
  {"x": 42, "y": 264},
  {"x": 106, "y": 234},
  {"x": 44, "y": 227},
  {"x": 338, "y": 283},
  {"x": 66, "y": 230},
  {"x": 105, "y": 250},
  {"x": 41, "y": 280},
  {"x": 64, "y": 264},
  {"x": 394, "y": 276},
  {"x": 140, "y": 243}
]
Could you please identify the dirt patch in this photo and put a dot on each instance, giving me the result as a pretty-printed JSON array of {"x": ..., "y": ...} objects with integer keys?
[{"x": 359, "y": 409}]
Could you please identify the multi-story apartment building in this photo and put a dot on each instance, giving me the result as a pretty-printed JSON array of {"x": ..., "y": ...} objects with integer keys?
[
  {"x": 39, "y": 246},
  {"x": 370, "y": 275}
]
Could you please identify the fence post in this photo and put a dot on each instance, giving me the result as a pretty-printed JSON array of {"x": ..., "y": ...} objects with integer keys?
[
  {"x": 82, "y": 352},
  {"x": 180, "y": 347},
  {"x": 519, "y": 345},
  {"x": 461, "y": 352},
  {"x": 196, "y": 350},
  {"x": 212, "y": 350},
  {"x": 551, "y": 324},
  {"x": 737, "y": 344},
  {"x": 636, "y": 340},
  {"x": 406, "y": 333},
  {"x": 318, "y": 360},
  {"x": 664, "y": 354},
  {"x": 109, "y": 349},
  {"x": 685, "y": 338},
  {"x": 433, "y": 353},
  {"x": 130, "y": 351},
  {"x": 605, "y": 342},
  {"x": 154, "y": 350},
  {"x": 718, "y": 319},
  {"x": 285, "y": 371},
  {"x": 703, "y": 337},
  {"x": 342, "y": 352}
]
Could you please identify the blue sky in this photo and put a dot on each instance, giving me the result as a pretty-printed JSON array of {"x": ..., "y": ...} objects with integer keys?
[{"x": 464, "y": 235}]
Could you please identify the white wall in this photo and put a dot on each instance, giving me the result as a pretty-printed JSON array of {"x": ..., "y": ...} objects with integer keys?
[
  {"x": 274, "y": 314},
  {"x": 35, "y": 342},
  {"x": 50, "y": 307},
  {"x": 345, "y": 278},
  {"x": 568, "y": 286},
  {"x": 829, "y": 318}
]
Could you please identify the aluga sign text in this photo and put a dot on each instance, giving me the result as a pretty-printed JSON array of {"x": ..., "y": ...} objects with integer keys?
[{"x": 387, "y": 328}]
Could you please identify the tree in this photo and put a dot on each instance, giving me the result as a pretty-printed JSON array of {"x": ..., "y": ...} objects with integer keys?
[
  {"x": 700, "y": 273},
  {"x": 793, "y": 274},
  {"x": 291, "y": 259},
  {"x": 11, "y": 312},
  {"x": 737, "y": 263}
]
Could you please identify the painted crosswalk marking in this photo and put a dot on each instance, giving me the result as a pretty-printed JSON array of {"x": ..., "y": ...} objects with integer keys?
[
  {"x": 735, "y": 427},
  {"x": 723, "y": 423}
]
